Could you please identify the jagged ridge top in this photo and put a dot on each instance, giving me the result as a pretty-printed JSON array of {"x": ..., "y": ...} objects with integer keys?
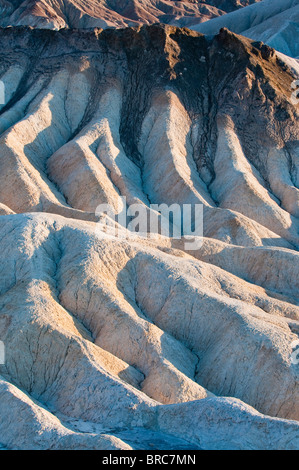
[
  {"x": 160, "y": 37},
  {"x": 123, "y": 37},
  {"x": 163, "y": 55}
]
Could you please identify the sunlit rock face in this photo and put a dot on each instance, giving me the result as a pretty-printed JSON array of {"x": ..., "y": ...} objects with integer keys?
[
  {"x": 275, "y": 22},
  {"x": 57, "y": 14},
  {"x": 120, "y": 342}
]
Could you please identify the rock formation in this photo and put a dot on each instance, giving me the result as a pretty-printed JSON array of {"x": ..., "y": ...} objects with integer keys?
[
  {"x": 274, "y": 22},
  {"x": 116, "y": 343},
  {"x": 57, "y": 14}
]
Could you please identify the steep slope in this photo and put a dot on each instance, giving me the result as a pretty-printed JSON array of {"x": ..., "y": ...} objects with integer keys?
[
  {"x": 274, "y": 22},
  {"x": 57, "y": 14},
  {"x": 188, "y": 122},
  {"x": 107, "y": 334}
]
